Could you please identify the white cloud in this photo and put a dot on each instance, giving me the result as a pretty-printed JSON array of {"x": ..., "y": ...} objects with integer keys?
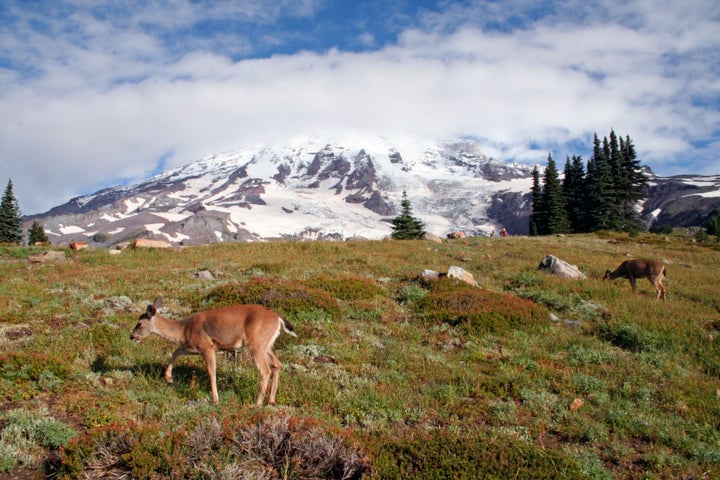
[{"x": 107, "y": 99}]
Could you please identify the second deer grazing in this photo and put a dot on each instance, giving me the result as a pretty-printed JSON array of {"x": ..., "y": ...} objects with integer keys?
[
  {"x": 222, "y": 329},
  {"x": 634, "y": 269}
]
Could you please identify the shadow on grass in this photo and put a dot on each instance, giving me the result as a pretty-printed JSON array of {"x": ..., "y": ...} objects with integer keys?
[{"x": 236, "y": 376}]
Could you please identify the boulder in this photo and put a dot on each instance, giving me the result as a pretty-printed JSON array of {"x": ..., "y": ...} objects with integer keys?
[
  {"x": 461, "y": 274},
  {"x": 554, "y": 265},
  {"x": 456, "y": 234},
  {"x": 456, "y": 273},
  {"x": 430, "y": 275},
  {"x": 49, "y": 256},
  {"x": 75, "y": 245},
  {"x": 431, "y": 237},
  {"x": 149, "y": 243},
  {"x": 204, "y": 275}
]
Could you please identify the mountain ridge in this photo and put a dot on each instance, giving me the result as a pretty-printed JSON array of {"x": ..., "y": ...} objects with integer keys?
[{"x": 334, "y": 190}]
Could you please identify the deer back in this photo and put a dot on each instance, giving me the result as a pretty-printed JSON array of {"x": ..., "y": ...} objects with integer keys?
[
  {"x": 228, "y": 328},
  {"x": 637, "y": 268}
]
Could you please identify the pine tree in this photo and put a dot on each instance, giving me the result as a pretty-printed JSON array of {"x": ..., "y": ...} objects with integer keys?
[
  {"x": 573, "y": 188},
  {"x": 537, "y": 216},
  {"x": 36, "y": 233},
  {"x": 634, "y": 188},
  {"x": 553, "y": 202},
  {"x": 599, "y": 188},
  {"x": 405, "y": 226},
  {"x": 620, "y": 183},
  {"x": 10, "y": 217}
]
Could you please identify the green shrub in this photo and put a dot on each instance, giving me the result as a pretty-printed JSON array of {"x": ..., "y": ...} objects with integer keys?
[
  {"x": 286, "y": 297},
  {"x": 346, "y": 288},
  {"x": 23, "y": 374},
  {"x": 444, "y": 456},
  {"x": 412, "y": 292},
  {"x": 661, "y": 229},
  {"x": 25, "y": 433},
  {"x": 523, "y": 280},
  {"x": 632, "y": 337},
  {"x": 264, "y": 269},
  {"x": 17, "y": 251},
  {"x": 478, "y": 311}
]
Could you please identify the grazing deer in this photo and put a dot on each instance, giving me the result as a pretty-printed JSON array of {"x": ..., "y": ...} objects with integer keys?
[
  {"x": 634, "y": 269},
  {"x": 222, "y": 329}
]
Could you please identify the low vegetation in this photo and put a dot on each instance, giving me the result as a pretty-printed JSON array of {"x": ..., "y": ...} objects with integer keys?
[{"x": 524, "y": 376}]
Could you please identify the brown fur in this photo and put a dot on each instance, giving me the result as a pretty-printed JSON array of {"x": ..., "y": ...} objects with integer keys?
[
  {"x": 222, "y": 329},
  {"x": 634, "y": 269}
]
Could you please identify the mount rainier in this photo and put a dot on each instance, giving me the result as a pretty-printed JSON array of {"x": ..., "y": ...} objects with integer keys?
[
  {"x": 308, "y": 191},
  {"x": 318, "y": 190}
]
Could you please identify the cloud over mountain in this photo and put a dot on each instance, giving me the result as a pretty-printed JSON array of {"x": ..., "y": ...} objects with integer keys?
[{"x": 96, "y": 95}]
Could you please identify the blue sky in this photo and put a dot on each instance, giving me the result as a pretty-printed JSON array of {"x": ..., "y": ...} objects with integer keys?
[{"x": 99, "y": 93}]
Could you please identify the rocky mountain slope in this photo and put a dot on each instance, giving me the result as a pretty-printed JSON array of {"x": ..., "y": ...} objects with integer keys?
[{"x": 334, "y": 191}]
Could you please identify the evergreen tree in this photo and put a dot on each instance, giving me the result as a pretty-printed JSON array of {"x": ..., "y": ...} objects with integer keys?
[
  {"x": 605, "y": 197},
  {"x": 537, "y": 216},
  {"x": 620, "y": 183},
  {"x": 599, "y": 188},
  {"x": 10, "y": 217},
  {"x": 573, "y": 188},
  {"x": 634, "y": 187},
  {"x": 553, "y": 202},
  {"x": 36, "y": 233},
  {"x": 405, "y": 226},
  {"x": 713, "y": 225}
]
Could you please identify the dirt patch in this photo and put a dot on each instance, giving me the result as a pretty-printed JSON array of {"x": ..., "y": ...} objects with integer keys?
[
  {"x": 10, "y": 333},
  {"x": 18, "y": 333}
]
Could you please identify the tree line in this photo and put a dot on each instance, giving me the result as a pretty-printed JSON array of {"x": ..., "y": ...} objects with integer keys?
[{"x": 604, "y": 195}]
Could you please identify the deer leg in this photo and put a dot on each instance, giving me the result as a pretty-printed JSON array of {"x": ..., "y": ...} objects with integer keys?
[
  {"x": 633, "y": 284},
  {"x": 660, "y": 289},
  {"x": 210, "y": 363},
  {"x": 262, "y": 364},
  {"x": 275, "y": 367},
  {"x": 169, "y": 369}
]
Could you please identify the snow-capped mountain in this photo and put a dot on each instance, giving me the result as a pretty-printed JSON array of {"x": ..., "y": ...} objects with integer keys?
[
  {"x": 318, "y": 190},
  {"x": 307, "y": 190}
]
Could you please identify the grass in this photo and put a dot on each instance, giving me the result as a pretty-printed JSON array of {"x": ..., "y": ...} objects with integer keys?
[{"x": 391, "y": 376}]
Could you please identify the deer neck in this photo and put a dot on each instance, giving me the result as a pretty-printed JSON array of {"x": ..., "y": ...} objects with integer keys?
[{"x": 169, "y": 329}]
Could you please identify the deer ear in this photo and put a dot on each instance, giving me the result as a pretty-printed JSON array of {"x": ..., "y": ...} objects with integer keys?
[
  {"x": 158, "y": 302},
  {"x": 150, "y": 311}
]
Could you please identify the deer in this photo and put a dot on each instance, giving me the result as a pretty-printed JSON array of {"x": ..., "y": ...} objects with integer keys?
[
  {"x": 633, "y": 269},
  {"x": 222, "y": 329}
]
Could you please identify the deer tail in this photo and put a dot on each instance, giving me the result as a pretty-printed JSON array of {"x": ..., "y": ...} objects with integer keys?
[{"x": 288, "y": 327}]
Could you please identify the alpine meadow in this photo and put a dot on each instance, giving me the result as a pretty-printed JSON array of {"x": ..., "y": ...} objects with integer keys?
[{"x": 526, "y": 375}]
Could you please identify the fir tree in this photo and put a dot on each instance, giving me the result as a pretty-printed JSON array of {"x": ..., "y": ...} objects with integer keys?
[
  {"x": 10, "y": 217},
  {"x": 713, "y": 226},
  {"x": 634, "y": 187},
  {"x": 405, "y": 226},
  {"x": 599, "y": 188},
  {"x": 620, "y": 183},
  {"x": 36, "y": 233},
  {"x": 605, "y": 197},
  {"x": 573, "y": 188},
  {"x": 537, "y": 216},
  {"x": 553, "y": 202}
]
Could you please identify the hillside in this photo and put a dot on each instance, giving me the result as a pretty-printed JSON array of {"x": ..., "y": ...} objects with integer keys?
[{"x": 390, "y": 376}]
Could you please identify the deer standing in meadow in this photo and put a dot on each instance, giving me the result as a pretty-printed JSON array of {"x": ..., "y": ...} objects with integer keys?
[
  {"x": 634, "y": 269},
  {"x": 222, "y": 329}
]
